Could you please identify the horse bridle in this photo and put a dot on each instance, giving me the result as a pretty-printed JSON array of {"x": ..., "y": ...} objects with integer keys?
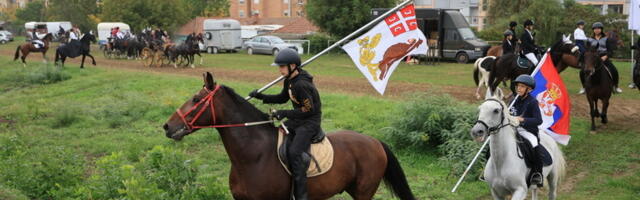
[
  {"x": 496, "y": 128},
  {"x": 207, "y": 101}
]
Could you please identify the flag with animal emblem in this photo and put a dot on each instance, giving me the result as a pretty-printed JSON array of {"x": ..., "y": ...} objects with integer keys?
[
  {"x": 553, "y": 100},
  {"x": 378, "y": 52}
]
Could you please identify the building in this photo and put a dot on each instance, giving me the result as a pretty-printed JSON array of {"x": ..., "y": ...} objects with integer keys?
[
  {"x": 475, "y": 11},
  {"x": 608, "y": 6},
  {"x": 266, "y": 8},
  {"x": 14, "y": 3}
]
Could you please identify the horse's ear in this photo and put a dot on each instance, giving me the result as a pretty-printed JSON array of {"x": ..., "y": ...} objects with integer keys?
[{"x": 208, "y": 80}]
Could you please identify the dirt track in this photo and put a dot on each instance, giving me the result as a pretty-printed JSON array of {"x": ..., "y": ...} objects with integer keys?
[{"x": 623, "y": 113}]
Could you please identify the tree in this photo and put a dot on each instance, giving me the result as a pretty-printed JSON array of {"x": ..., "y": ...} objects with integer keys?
[
  {"x": 139, "y": 14},
  {"x": 339, "y": 18},
  {"x": 79, "y": 12},
  {"x": 33, "y": 11},
  {"x": 207, "y": 8}
]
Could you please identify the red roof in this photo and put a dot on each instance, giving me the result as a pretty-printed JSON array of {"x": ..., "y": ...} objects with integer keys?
[{"x": 300, "y": 26}]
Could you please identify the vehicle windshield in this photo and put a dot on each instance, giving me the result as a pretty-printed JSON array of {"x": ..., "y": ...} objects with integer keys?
[
  {"x": 466, "y": 34},
  {"x": 276, "y": 40}
]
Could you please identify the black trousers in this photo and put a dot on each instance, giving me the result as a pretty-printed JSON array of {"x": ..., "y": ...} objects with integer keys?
[{"x": 300, "y": 143}]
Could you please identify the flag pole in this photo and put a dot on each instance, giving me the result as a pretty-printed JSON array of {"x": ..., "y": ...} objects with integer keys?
[
  {"x": 338, "y": 43},
  {"x": 633, "y": 61}
]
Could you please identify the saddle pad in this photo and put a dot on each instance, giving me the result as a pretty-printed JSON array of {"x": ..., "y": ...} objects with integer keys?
[
  {"x": 321, "y": 151},
  {"x": 525, "y": 148},
  {"x": 524, "y": 63}
]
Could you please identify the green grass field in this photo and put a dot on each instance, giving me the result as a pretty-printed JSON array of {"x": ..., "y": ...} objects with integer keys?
[{"x": 98, "y": 130}]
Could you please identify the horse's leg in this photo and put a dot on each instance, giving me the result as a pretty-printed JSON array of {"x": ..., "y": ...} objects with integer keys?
[
  {"x": 62, "y": 59},
  {"x": 519, "y": 194},
  {"x": 93, "y": 60},
  {"x": 592, "y": 113},
  {"x": 44, "y": 57},
  {"x": 24, "y": 57},
  {"x": 595, "y": 107},
  {"x": 496, "y": 195},
  {"x": 200, "y": 57},
  {"x": 534, "y": 194},
  {"x": 552, "y": 181},
  {"x": 82, "y": 62},
  {"x": 605, "y": 107}
]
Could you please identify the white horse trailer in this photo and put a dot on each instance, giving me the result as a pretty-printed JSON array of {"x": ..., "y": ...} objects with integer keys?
[
  {"x": 222, "y": 35},
  {"x": 46, "y": 27},
  {"x": 104, "y": 30}
]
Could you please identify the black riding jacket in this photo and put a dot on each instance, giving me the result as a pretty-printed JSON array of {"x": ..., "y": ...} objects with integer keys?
[
  {"x": 307, "y": 108},
  {"x": 528, "y": 109},
  {"x": 528, "y": 42},
  {"x": 507, "y": 47}
]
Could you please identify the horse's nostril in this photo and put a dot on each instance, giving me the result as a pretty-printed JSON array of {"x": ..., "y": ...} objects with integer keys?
[{"x": 166, "y": 127}]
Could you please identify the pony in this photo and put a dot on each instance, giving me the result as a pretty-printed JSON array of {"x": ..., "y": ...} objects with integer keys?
[{"x": 505, "y": 171}]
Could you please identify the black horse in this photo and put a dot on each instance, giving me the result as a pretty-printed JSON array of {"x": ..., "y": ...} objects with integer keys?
[
  {"x": 598, "y": 84},
  {"x": 636, "y": 67},
  {"x": 505, "y": 67},
  {"x": 76, "y": 48},
  {"x": 184, "y": 52}
]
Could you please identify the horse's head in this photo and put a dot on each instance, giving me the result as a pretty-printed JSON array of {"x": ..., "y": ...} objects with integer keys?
[
  {"x": 48, "y": 37},
  {"x": 592, "y": 60},
  {"x": 196, "y": 113},
  {"x": 492, "y": 116},
  {"x": 88, "y": 37},
  {"x": 615, "y": 38},
  {"x": 565, "y": 46}
]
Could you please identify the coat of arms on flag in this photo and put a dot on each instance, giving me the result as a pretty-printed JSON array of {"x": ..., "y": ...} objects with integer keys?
[
  {"x": 378, "y": 52},
  {"x": 553, "y": 101}
]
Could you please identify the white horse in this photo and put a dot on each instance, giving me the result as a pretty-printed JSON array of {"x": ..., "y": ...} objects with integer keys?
[
  {"x": 505, "y": 172},
  {"x": 481, "y": 75}
]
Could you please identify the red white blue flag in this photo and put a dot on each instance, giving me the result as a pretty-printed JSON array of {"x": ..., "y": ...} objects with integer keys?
[{"x": 553, "y": 100}]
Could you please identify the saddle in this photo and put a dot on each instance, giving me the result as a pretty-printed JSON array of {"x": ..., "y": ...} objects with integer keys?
[
  {"x": 320, "y": 152},
  {"x": 524, "y": 63}
]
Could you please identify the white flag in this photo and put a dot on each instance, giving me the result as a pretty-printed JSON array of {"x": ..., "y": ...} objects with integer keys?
[
  {"x": 634, "y": 15},
  {"x": 378, "y": 52}
]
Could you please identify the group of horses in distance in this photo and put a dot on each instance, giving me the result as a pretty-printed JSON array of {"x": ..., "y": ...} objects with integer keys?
[{"x": 496, "y": 68}]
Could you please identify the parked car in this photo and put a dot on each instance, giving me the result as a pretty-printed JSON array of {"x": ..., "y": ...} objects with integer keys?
[
  {"x": 266, "y": 45},
  {"x": 5, "y": 36}
]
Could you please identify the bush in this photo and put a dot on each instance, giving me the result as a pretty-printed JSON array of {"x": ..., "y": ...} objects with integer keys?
[
  {"x": 34, "y": 75},
  {"x": 435, "y": 121},
  {"x": 320, "y": 42}
]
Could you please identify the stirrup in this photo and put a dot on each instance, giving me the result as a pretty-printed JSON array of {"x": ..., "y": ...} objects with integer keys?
[{"x": 535, "y": 177}]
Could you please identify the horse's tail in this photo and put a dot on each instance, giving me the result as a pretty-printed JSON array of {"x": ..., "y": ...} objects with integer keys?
[
  {"x": 394, "y": 176},
  {"x": 476, "y": 74},
  {"x": 17, "y": 54}
]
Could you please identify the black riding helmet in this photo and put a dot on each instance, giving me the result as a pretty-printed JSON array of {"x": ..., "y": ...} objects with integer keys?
[
  {"x": 527, "y": 80},
  {"x": 528, "y": 22},
  {"x": 507, "y": 33},
  {"x": 580, "y": 22},
  {"x": 513, "y": 24},
  {"x": 287, "y": 56},
  {"x": 597, "y": 25}
]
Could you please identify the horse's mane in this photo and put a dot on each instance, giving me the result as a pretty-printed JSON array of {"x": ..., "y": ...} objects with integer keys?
[{"x": 244, "y": 104}]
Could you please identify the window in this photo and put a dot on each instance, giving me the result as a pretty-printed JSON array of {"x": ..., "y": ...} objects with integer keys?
[
  {"x": 285, "y": 13},
  {"x": 615, "y": 8},
  {"x": 241, "y": 14},
  {"x": 241, "y": 1},
  {"x": 256, "y": 1},
  {"x": 285, "y": 1},
  {"x": 485, "y": 5},
  {"x": 300, "y": 2},
  {"x": 300, "y": 13}
]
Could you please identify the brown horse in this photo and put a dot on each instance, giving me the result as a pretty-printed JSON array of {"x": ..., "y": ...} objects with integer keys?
[
  {"x": 495, "y": 51},
  {"x": 360, "y": 161},
  {"x": 614, "y": 37},
  {"x": 598, "y": 84},
  {"x": 29, "y": 47}
]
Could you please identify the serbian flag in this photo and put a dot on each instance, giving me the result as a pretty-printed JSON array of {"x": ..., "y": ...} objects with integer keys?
[
  {"x": 553, "y": 100},
  {"x": 378, "y": 52}
]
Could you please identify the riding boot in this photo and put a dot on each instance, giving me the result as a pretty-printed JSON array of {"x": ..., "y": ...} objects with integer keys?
[
  {"x": 536, "y": 169},
  {"x": 299, "y": 175}
]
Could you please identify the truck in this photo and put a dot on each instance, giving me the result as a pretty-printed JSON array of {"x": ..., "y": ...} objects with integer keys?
[
  {"x": 448, "y": 34},
  {"x": 222, "y": 35}
]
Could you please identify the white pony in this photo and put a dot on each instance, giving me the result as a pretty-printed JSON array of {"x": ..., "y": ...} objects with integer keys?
[
  {"x": 505, "y": 172},
  {"x": 480, "y": 74}
]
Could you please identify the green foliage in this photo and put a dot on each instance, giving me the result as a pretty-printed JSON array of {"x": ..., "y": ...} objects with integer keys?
[
  {"x": 435, "y": 121},
  {"x": 139, "y": 14},
  {"x": 319, "y": 42},
  {"x": 21, "y": 77},
  {"x": 339, "y": 18},
  {"x": 38, "y": 171},
  {"x": 33, "y": 11},
  {"x": 207, "y": 8},
  {"x": 76, "y": 11},
  {"x": 11, "y": 194}
]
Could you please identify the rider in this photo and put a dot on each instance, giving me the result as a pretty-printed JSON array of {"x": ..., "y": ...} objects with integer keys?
[
  {"x": 36, "y": 39},
  {"x": 74, "y": 33},
  {"x": 579, "y": 36},
  {"x": 507, "y": 44},
  {"x": 526, "y": 110},
  {"x": 529, "y": 48},
  {"x": 605, "y": 50},
  {"x": 512, "y": 28},
  {"x": 304, "y": 119}
]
